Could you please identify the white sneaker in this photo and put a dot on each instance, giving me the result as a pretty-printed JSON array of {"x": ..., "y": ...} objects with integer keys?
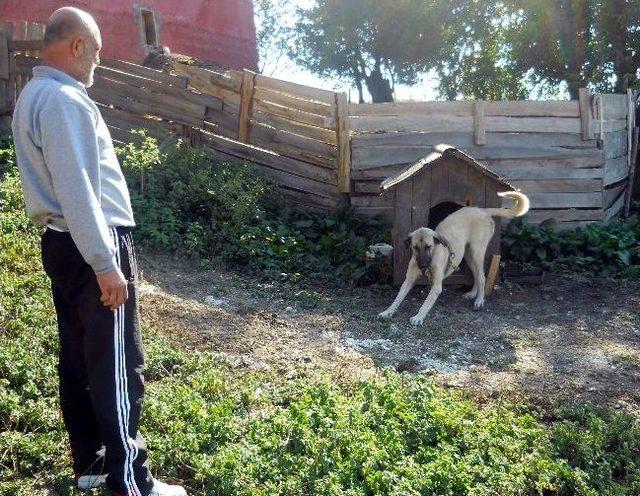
[
  {"x": 162, "y": 489},
  {"x": 87, "y": 482}
]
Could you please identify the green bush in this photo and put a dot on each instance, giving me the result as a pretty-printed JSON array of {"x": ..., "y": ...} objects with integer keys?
[
  {"x": 611, "y": 249},
  {"x": 225, "y": 432},
  {"x": 185, "y": 201}
]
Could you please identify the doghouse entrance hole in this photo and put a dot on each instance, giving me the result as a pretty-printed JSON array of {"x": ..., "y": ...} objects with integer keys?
[{"x": 441, "y": 211}]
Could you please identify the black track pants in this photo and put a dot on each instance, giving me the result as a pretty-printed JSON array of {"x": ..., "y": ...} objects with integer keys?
[{"x": 100, "y": 366}]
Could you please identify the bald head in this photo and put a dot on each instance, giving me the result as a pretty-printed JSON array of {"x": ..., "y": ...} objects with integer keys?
[
  {"x": 67, "y": 23},
  {"x": 72, "y": 43}
]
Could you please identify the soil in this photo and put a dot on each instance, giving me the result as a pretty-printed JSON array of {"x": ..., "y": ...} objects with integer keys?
[{"x": 564, "y": 340}]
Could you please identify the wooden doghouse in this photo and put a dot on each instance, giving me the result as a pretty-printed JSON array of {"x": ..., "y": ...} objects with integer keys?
[{"x": 431, "y": 189}]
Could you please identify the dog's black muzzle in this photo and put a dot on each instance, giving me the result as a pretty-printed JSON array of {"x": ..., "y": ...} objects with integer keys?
[{"x": 424, "y": 261}]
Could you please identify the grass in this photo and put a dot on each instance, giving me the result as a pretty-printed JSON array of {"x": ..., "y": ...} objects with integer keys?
[{"x": 253, "y": 433}]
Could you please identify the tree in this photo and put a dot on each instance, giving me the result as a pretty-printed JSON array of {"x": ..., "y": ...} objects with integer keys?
[
  {"x": 544, "y": 44},
  {"x": 272, "y": 32},
  {"x": 372, "y": 43}
]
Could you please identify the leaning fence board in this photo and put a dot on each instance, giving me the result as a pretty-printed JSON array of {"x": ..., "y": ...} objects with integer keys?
[
  {"x": 294, "y": 102},
  {"x": 310, "y": 199},
  {"x": 404, "y": 123},
  {"x": 159, "y": 87},
  {"x": 294, "y": 152},
  {"x": 294, "y": 114},
  {"x": 311, "y": 132},
  {"x": 612, "y": 193},
  {"x": 145, "y": 72},
  {"x": 271, "y": 159},
  {"x": 615, "y": 169},
  {"x": 614, "y": 209},
  {"x": 127, "y": 120},
  {"x": 299, "y": 90},
  {"x": 206, "y": 79},
  {"x": 271, "y": 134},
  {"x": 372, "y": 201}
]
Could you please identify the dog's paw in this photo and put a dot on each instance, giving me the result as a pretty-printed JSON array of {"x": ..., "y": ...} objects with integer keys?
[
  {"x": 385, "y": 315},
  {"x": 470, "y": 295},
  {"x": 478, "y": 305},
  {"x": 416, "y": 320}
]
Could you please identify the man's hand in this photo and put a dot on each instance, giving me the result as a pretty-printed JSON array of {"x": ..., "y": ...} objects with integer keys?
[{"x": 114, "y": 288}]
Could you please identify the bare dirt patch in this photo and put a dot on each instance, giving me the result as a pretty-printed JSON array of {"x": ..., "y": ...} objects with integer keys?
[{"x": 567, "y": 339}]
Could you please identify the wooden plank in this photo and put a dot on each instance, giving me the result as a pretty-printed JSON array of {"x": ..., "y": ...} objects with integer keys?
[
  {"x": 461, "y": 140},
  {"x": 614, "y": 209},
  {"x": 145, "y": 72},
  {"x": 565, "y": 215},
  {"x": 614, "y": 125},
  {"x": 479, "y": 130},
  {"x": 533, "y": 124},
  {"x": 566, "y": 200},
  {"x": 310, "y": 132},
  {"x": 222, "y": 118},
  {"x": 148, "y": 106},
  {"x": 529, "y": 108},
  {"x": 559, "y": 185},
  {"x": 632, "y": 170},
  {"x": 25, "y": 45},
  {"x": 267, "y": 134},
  {"x": 127, "y": 120},
  {"x": 272, "y": 159},
  {"x": 318, "y": 108},
  {"x": 246, "y": 103},
  {"x": 4, "y": 57},
  {"x": 614, "y": 106},
  {"x": 299, "y": 90},
  {"x": 343, "y": 145},
  {"x": 220, "y": 130},
  {"x": 612, "y": 193},
  {"x": 365, "y": 158},
  {"x": 386, "y": 212},
  {"x": 615, "y": 144},
  {"x": 159, "y": 87},
  {"x": 404, "y": 123},
  {"x": 631, "y": 112},
  {"x": 295, "y": 152},
  {"x": 586, "y": 116},
  {"x": 295, "y": 115},
  {"x": 366, "y": 187},
  {"x": 460, "y": 108},
  {"x": 206, "y": 79},
  {"x": 514, "y": 173},
  {"x": 492, "y": 276},
  {"x": 615, "y": 169}
]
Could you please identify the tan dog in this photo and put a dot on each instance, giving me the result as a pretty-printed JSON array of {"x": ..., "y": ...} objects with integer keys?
[{"x": 437, "y": 254}]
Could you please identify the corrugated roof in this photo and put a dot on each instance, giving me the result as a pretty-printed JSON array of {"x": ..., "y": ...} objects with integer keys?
[{"x": 440, "y": 152}]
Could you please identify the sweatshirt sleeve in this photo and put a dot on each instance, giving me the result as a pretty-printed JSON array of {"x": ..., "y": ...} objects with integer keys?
[{"x": 70, "y": 148}]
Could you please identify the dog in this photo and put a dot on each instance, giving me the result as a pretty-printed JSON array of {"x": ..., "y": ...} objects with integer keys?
[{"x": 437, "y": 254}]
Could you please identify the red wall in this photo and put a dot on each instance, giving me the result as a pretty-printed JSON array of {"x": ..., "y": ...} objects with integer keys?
[{"x": 220, "y": 31}]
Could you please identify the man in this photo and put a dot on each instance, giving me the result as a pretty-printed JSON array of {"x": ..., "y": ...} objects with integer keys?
[{"x": 74, "y": 186}]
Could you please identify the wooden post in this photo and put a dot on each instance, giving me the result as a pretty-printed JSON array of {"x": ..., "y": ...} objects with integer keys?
[
  {"x": 246, "y": 95},
  {"x": 479, "y": 128},
  {"x": 584, "y": 100},
  {"x": 344, "y": 145},
  {"x": 4, "y": 72},
  {"x": 492, "y": 276}
]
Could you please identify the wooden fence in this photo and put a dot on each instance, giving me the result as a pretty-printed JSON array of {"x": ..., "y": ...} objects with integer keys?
[{"x": 571, "y": 157}]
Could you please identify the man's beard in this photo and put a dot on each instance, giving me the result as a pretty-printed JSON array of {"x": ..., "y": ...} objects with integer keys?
[{"x": 88, "y": 76}]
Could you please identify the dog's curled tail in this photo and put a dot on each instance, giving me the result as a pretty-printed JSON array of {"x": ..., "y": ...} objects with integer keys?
[{"x": 520, "y": 208}]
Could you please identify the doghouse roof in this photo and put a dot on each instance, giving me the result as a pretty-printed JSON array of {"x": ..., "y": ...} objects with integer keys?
[{"x": 440, "y": 153}]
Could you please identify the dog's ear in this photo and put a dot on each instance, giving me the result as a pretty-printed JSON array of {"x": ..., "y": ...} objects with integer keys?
[
  {"x": 407, "y": 242},
  {"x": 437, "y": 240}
]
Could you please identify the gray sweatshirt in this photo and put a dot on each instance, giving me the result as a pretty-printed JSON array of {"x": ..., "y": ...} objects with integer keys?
[{"x": 69, "y": 172}]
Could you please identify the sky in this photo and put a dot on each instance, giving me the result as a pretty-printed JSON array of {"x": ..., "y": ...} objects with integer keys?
[{"x": 288, "y": 70}]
